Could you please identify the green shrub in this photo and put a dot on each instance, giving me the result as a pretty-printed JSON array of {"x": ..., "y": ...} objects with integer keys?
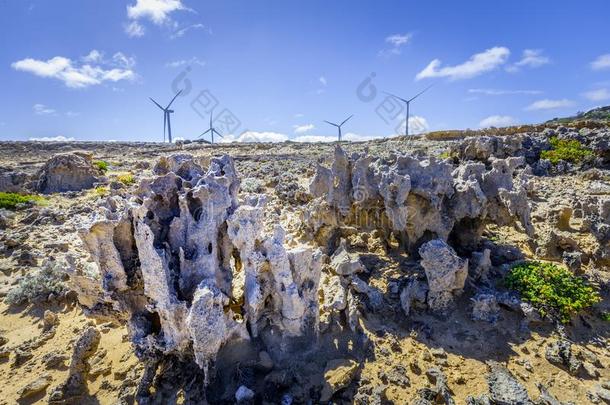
[
  {"x": 445, "y": 155},
  {"x": 101, "y": 165},
  {"x": 605, "y": 316},
  {"x": 38, "y": 285},
  {"x": 10, "y": 201},
  {"x": 101, "y": 191},
  {"x": 569, "y": 150},
  {"x": 551, "y": 289},
  {"x": 126, "y": 178}
]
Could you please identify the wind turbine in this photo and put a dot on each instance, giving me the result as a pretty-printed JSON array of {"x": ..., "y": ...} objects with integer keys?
[
  {"x": 211, "y": 130},
  {"x": 408, "y": 103},
  {"x": 339, "y": 125},
  {"x": 166, "y": 115}
]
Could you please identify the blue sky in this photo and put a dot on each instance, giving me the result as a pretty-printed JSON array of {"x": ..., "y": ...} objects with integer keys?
[{"x": 275, "y": 70}]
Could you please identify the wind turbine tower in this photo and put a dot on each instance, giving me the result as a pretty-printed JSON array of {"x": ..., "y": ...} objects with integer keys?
[
  {"x": 211, "y": 130},
  {"x": 339, "y": 125},
  {"x": 166, "y": 116},
  {"x": 408, "y": 103}
]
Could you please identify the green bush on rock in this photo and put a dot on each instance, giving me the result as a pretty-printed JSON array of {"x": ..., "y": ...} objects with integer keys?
[
  {"x": 101, "y": 165},
  {"x": 551, "y": 289},
  {"x": 10, "y": 201},
  {"x": 568, "y": 150}
]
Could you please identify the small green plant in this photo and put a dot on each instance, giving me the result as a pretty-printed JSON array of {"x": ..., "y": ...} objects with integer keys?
[
  {"x": 568, "y": 150},
  {"x": 551, "y": 289},
  {"x": 10, "y": 201},
  {"x": 445, "y": 155},
  {"x": 126, "y": 178},
  {"x": 101, "y": 165},
  {"x": 38, "y": 285},
  {"x": 101, "y": 191},
  {"x": 605, "y": 316}
]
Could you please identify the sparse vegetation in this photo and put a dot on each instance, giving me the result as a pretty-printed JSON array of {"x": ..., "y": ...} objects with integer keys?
[
  {"x": 10, "y": 201},
  {"x": 553, "y": 290},
  {"x": 599, "y": 115},
  {"x": 605, "y": 316},
  {"x": 101, "y": 191},
  {"x": 445, "y": 155},
  {"x": 568, "y": 150},
  {"x": 101, "y": 165},
  {"x": 126, "y": 178},
  {"x": 38, "y": 285},
  {"x": 252, "y": 185}
]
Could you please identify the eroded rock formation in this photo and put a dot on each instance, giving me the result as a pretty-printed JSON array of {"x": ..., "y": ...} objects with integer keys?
[
  {"x": 67, "y": 172},
  {"x": 191, "y": 268},
  {"x": 420, "y": 199}
]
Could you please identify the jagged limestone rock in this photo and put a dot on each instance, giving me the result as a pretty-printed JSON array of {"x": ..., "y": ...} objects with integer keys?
[
  {"x": 446, "y": 273},
  {"x": 75, "y": 385},
  {"x": 185, "y": 251},
  {"x": 419, "y": 198},
  {"x": 414, "y": 292},
  {"x": 344, "y": 263},
  {"x": 482, "y": 148},
  {"x": 12, "y": 181},
  {"x": 67, "y": 172},
  {"x": 485, "y": 308}
]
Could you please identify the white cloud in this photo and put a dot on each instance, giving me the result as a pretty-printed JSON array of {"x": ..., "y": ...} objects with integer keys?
[
  {"x": 497, "y": 121},
  {"x": 134, "y": 29},
  {"x": 254, "y": 136},
  {"x": 41, "y": 109},
  {"x": 76, "y": 75},
  {"x": 597, "y": 95},
  {"x": 478, "y": 64},
  {"x": 59, "y": 138},
  {"x": 72, "y": 114},
  {"x": 499, "y": 92},
  {"x": 301, "y": 129},
  {"x": 192, "y": 61},
  {"x": 123, "y": 60},
  {"x": 602, "y": 62},
  {"x": 93, "y": 56},
  {"x": 532, "y": 58},
  {"x": 157, "y": 11},
  {"x": 180, "y": 32},
  {"x": 547, "y": 104},
  {"x": 417, "y": 125},
  {"x": 396, "y": 41},
  {"x": 299, "y": 115},
  {"x": 322, "y": 80}
]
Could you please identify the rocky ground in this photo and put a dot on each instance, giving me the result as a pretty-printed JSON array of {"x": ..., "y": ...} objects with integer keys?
[{"x": 301, "y": 273}]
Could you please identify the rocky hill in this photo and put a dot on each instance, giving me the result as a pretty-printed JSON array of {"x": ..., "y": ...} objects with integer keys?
[{"x": 456, "y": 267}]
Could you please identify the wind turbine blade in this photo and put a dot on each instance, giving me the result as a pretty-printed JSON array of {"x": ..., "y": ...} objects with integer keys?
[
  {"x": 158, "y": 105},
  {"x": 218, "y": 133},
  {"x": 177, "y": 94},
  {"x": 420, "y": 93},
  {"x": 395, "y": 96},
  {"x": 331, "y": 123},
  {"x": 205, "y": 133},
  {"x": 347, "y": 119}
]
